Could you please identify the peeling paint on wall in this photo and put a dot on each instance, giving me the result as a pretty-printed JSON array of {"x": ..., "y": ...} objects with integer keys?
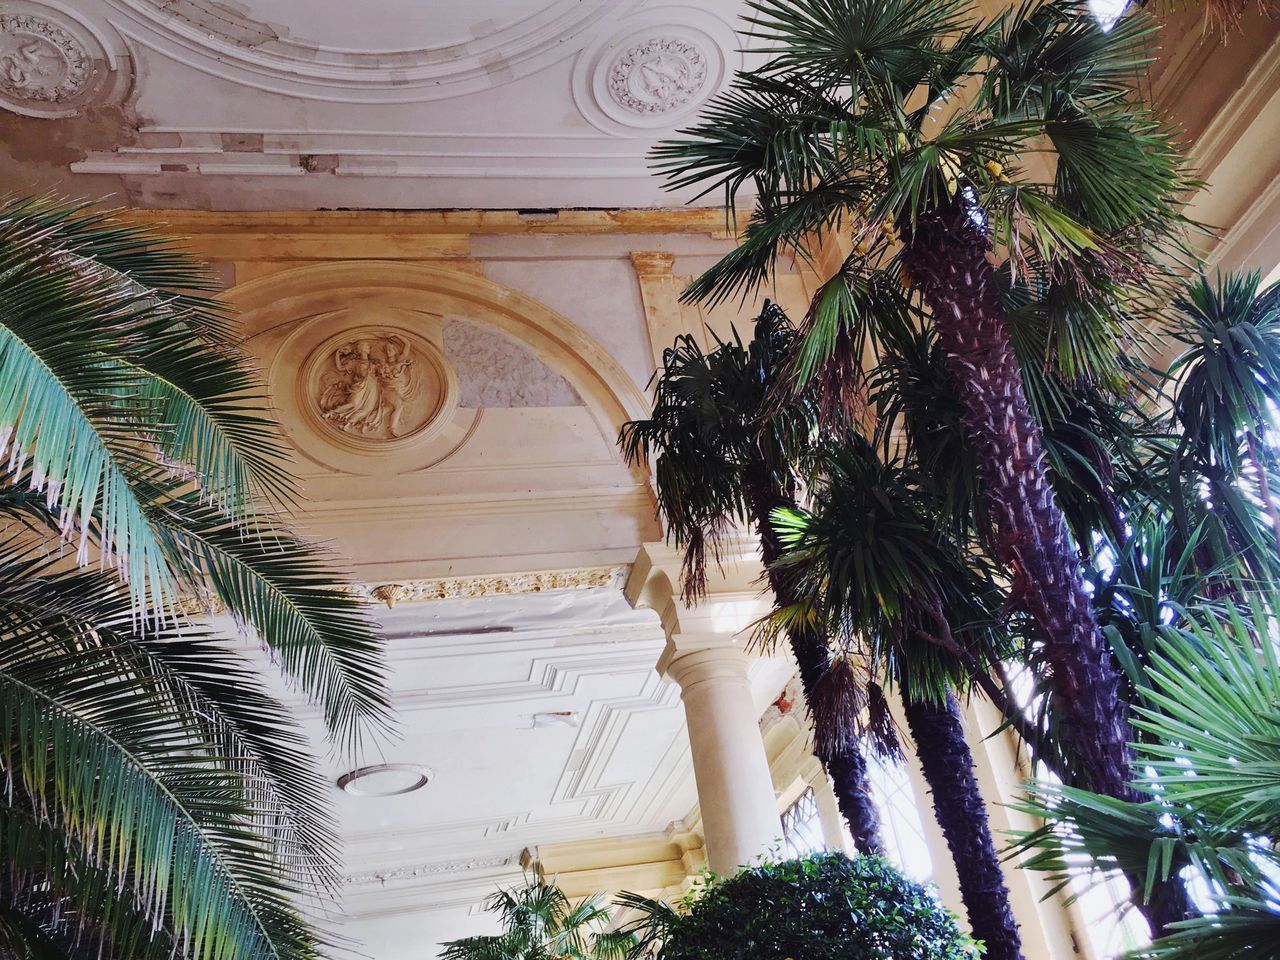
[{"x": 228, "y": 20}]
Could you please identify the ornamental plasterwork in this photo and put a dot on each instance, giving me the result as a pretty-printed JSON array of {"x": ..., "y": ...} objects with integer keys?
[
  {"x": 427, "y": 58},
  {"x": 429, "y": 870},
  {"x": 449, "y": 588},
  {"x": 50, "y": 63},
  {"x": 653, "y": 67},
  {"x": 371, "y": 383},
  {"x": 375, "y": 387},
  {"x": 658, "y": 76}
]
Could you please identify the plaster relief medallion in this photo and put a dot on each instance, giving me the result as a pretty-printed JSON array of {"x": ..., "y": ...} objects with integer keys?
[
  {"x": 51, "y": 64},
  {"x": 376, "y": 387},
  {"x": 653, "y": 69},
  {"x": 658, "y": 76}
]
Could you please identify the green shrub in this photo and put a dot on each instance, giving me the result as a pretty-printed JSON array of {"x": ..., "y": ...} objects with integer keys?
[{"x": 824, "y": 907}]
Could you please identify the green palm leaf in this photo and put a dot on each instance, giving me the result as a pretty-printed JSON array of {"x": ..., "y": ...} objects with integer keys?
[
  {"x": 103, "y": 377},
  {"x": 89, "y": 756},
  {"x": 44, "y": 610},
  {"x": 284, "y": 591}
]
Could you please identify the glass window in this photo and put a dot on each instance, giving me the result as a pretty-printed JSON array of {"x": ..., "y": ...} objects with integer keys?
[
  {"x": 802, "y": 827},
  {"x": 900, "y": 825}
]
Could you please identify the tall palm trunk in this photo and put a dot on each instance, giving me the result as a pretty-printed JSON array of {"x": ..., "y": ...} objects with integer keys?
[
  {"x": 961, "y": 812},
  {"x": 848, "y": 768},
  {"x": 946, "y": 257}
]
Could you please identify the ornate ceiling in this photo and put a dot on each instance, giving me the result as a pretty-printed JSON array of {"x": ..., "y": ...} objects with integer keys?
[{"x": 325, "y": 103}]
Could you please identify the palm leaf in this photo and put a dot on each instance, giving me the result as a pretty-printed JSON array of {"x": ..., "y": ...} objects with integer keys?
[
  {"x": 104, "y": 376},
  {"x": 285, "y": 592},
  {"x": 46, "y": 610},
  {"x": 102, "y": 767}
]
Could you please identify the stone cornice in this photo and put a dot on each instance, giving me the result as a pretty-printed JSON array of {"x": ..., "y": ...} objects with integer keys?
[{"x": 401, "y": 235}]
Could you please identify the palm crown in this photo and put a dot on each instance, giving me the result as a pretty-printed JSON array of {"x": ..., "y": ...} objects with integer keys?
[
  {"x": 727, "y": 453},
  {"x": 541, "y": 923},
  {"x": 856, "y": 122}
]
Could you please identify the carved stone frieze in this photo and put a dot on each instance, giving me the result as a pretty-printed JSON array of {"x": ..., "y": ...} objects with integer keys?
[
  {"x": 660, "y": 75},
  {"x": 429, "y": 870},
  {"x": 449, "y": 588},
  {"x": 51, "y": 64}
]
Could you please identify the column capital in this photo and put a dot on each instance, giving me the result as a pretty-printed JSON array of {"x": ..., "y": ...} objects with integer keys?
[
  {"x": 733, "y": 598},
  {"x": 652, "y": 263},
  {"x": 689, "y": 659}
]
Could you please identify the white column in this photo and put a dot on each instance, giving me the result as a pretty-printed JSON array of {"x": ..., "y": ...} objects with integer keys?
[{"x": 735, "y": 792}]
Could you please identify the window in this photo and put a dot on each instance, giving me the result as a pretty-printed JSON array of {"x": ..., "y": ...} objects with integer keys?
[
  {"x": 802, "y": 827},
  {"x": 900, "y": 825}
]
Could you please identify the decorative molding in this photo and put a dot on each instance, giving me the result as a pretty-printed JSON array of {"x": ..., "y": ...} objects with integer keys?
[
  {"x": 376, "y": 385},
  {"x": 656, "y": 66},
  {"x": 400, "y": 234},
  {"x": 450, "y": 588},
  {"x": 660, "y": 75},
  {"x": 227, "y": 41},
  {"x": 421, "y": 870},
  {"x": 52, "y": 63},
  {"x": 652, "y": 264}
]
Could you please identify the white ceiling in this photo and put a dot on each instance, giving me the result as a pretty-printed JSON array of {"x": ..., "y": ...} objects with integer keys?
[
  {"x": 272, "y": 104},
  {"x": 541, "y": 719}
]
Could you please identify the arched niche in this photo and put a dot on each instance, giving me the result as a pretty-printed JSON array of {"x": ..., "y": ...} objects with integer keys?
[
  {"x": 469, "y": 488},
  {"x": 304, "y": 291}
]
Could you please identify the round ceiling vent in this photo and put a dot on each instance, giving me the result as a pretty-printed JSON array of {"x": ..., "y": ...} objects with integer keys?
[{"x": 385, "y": 780}]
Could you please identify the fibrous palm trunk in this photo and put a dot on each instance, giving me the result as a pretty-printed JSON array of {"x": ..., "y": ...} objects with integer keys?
[
  {"x": 946, "y": 258},
  {"x": 961, "y": 812},
  {"x": 848, "y": 768}
]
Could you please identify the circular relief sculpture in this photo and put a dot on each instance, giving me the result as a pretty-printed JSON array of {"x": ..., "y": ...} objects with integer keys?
[
  {"x": 51, "y": 64},
  {"x": 375, "y": 386},
  {"x": 658, "y": 76},
  {"x": 653, "y": 68}
]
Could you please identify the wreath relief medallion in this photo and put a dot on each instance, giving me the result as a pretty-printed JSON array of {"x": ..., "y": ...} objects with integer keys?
[
  {"x": 51, "y": 64},
  {"x": 658, "y": 76}
]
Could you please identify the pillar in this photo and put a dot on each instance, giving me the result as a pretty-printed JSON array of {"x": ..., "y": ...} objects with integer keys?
[{"x": 735, "y": 792}]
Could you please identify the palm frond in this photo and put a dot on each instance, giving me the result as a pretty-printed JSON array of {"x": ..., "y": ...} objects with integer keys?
[
  {"x": 1217, "y": 702},
  {"x": 46, "y": 609},
  {"x": 104, "y": 376},
  {"x": 57, "y": 904},
  {"x": 284, "y": 590},
  {"x": 150, "y": 812},
  {"x": 541, "y": 923}
]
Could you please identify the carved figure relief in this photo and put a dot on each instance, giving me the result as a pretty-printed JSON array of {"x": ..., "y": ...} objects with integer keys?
[
  {"x": 658, "y": 76},
  {"x": 372, "y": 380}
]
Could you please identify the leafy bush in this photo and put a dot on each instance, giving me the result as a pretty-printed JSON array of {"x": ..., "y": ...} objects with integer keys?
[{"x": 824, "y": 907}]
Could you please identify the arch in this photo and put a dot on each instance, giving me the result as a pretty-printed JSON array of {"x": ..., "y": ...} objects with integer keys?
[{"x": 299, "y": 292}]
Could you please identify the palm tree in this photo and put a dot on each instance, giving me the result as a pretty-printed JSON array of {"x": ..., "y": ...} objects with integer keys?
[
  {"x": 541, "y": 923},
  {"x": 1208, "y": 803},
  {"x": 159, "y": 802},
  {"x": 878, "y": 570},
  {"x": 1224, "y": 386},
  {"x": 723, "y": 456},
  {"x": 918, "y": 131}
]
